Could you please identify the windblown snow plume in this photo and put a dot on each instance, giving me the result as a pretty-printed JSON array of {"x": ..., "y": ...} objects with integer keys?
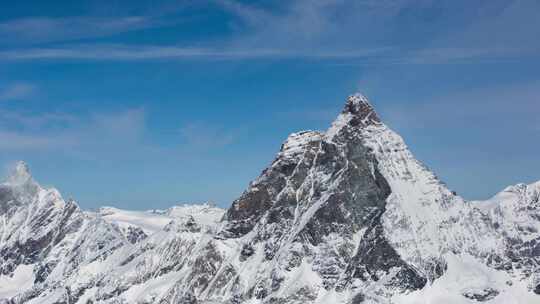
[{"x": 342, "y": 216}]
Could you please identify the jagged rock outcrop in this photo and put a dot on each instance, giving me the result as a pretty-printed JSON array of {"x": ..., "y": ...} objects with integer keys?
[
  {"x": 342, "y": 216},
  {"x": 45, "y": 239}
]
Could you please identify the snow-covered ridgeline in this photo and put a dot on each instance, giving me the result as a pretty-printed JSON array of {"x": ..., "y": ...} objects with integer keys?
[
  {"x": 421, "y": 210},
  {"x": 428, "y": 224},
  {"x": 152, "y": 221}
]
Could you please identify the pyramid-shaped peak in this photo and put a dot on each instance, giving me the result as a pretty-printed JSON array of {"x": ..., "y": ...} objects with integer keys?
[
  {"x": 357, "y": 113},
  {"x": 20, "y": 174},
  {"x": 359, "y": 106},
  {"x": 358, "y": 98}
]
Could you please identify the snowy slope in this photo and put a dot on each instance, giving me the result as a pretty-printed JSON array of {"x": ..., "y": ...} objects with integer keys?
[
  {"x": 342, "y": 216},
  {"x": 137, "y": 225},
  {"x": 134, "y": 224},
  {"x": 45, "y": 239}
]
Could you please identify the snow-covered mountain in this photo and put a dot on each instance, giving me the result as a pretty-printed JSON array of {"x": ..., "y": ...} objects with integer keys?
[
  {"x": 137, "y": 225},
  {"x": 342, "y": 216}
]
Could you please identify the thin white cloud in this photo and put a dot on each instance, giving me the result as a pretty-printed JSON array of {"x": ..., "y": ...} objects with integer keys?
[
  {"x": 150, "y": 52},
  {"x": 496, "y": 31},
  {"x": 11, "y": 140},
  {"x": 103, "y": 135},
  {"x": 121, "y": 52},
  {"x": 45, "y": 29},
  {"x": 32, "y": 122},
  {"x": 490, "y": 32},
  {"x": 366, "y": 56},
  {"x": 359, "y": 32},
  {"x": 85, "y": 135},
  {"x": 458, "y": 55},
  {"x": 305, "y": 27},
  {"x": 17, "y": 91}
]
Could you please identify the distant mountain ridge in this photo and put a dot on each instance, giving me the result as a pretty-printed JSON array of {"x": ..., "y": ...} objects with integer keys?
[{"x": 342, "y": 216}]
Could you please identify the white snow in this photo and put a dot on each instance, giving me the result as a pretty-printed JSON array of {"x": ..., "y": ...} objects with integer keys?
[
  {"x": 147, "y": 221},
  {"x": 152, "y": 221},
  {"x": 21, "y": 280},
  {"x": 297, "y": 142},
  {"x": 150, "y": 290},
  {"x": 466, "y": 274}
]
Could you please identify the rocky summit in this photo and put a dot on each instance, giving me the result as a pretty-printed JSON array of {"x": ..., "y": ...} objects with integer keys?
[{"x": 342, "y": 216}]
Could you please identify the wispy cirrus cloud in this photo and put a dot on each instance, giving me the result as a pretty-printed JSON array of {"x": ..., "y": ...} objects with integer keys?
[
  {"x": 495, "y": 31},
  {"x": 152, "y": 52},
  {"x": 366, "y": 56},
  {"x": 354, "y": 32},
  {"x": 15, "y": 141},
  {"x": 25, "y": 121},
  {"x": 46, "y": 29},
  {"x": 93, "y": 134},
  {"x": 452, "y": 55},
  {"x": 394, "y": 28},
  {"x": 111, "y": 135},
  {"x": 125, "y": 52},
  {"x": 17, "y": 91}
]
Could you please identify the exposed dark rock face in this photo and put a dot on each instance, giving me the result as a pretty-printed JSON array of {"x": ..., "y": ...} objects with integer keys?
[
  {"x": 262, "y": 194},
  {"x": 135, "y": 235},
  {"x": 481, "y": 295},
  {"x": 319, "y": 187},
  {"x": 361, "y": 110},
  {"x": 376, "y": 255},
  {"x": 357, "y": 299}
]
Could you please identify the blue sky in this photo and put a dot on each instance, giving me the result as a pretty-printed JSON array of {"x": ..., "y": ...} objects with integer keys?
[{"x": 145, "y": 104}]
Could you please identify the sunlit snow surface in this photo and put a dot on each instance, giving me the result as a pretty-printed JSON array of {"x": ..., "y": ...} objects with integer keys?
[
  {"x": 152, "y": 221},
  {"x": 21, "y": 280},
  {"x": 467, "y": 274}
]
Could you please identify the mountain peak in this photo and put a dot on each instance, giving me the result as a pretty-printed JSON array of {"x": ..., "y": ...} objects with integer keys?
[
  {"x": 358, "y": 112},
  {"x": 20, "y": 174},
  {"x": 363, "y": 112}
]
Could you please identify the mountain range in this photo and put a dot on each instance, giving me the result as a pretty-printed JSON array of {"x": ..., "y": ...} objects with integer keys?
[{"x": 342, "y": 216}]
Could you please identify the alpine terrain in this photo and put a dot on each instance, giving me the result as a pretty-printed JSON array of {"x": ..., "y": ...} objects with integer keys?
[{"x": 342, "y": 216}]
